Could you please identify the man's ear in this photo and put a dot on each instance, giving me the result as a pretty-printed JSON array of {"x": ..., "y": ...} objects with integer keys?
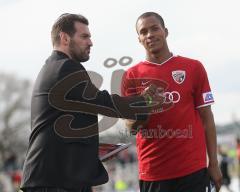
[
  {"x": 139, "y": 40},
  {"x": 64, "y": 38},
  {"x": 166, "y": 32}
]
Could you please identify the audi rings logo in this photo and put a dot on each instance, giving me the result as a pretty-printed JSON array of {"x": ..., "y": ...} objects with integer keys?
[{"x": 171, "y": 97}]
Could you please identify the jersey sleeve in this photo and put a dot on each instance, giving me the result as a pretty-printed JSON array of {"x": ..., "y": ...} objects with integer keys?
[{"x": 202, "y": 92}]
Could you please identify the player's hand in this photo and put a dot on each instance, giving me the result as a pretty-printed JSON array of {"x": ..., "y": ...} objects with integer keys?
[
  {"x": 216, "y": 175},
  {"x": 154, "y": 95}
]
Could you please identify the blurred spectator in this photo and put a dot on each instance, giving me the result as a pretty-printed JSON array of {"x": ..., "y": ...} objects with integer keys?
[
  {"x": 238, "y": 150},
  {"x": 126, "y": 157},
  {"x": 16, "y": 179},
  {"x": 224, "y": 166},
  {"x": 10, "y": 175},
  {"x": 238, "y": 158},
  {"x": 10, "y": 164},
  {"x": 5, "y": 183}
]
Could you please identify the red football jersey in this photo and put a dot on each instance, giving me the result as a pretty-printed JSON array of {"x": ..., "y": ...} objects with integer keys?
[{"x": 173, "y": 143}]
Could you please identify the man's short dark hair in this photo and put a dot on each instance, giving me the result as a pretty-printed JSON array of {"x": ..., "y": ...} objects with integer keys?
[
  {"x": 149, "y": 14},
  {"x": 65, "y": 23}
]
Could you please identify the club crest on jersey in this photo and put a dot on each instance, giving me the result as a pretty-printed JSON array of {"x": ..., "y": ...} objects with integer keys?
[
  {"x": 179, "y": 76},
  {"x": 208, "y": 97}
]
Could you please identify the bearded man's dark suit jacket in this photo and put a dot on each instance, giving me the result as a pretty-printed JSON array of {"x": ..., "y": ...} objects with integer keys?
[{"x": 57, "y": 156}]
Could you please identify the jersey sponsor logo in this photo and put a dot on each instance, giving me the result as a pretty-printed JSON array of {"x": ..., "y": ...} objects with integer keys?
[
  {"x": 172, "y": 97},
  {"x": 179, "y": 76},
  {"x": 208, "y": 97}
]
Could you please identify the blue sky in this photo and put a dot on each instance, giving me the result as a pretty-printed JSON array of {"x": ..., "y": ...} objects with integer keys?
[{"x": 204, "y": 30}]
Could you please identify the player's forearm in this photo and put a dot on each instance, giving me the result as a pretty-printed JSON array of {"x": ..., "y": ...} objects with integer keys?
[
  {"x": 210, "y": 134},
  {"x": 211, "y": 142}
]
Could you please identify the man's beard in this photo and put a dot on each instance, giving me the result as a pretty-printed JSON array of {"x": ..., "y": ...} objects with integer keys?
[{"x": 77, "y": 54}]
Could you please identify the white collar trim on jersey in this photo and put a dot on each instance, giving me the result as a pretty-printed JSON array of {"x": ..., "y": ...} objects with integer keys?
[{"x": 173, "y": 55}]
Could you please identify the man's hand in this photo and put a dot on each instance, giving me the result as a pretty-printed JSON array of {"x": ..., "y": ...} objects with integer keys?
[
  {"x": 154, "y": 95},
  {"x": 215, "y": 175}
]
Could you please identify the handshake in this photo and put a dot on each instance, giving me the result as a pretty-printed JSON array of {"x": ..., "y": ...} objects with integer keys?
[{"x": 154, "y": 95}]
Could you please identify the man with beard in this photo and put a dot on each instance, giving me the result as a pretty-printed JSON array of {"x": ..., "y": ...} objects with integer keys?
[
  {"x": 63, "y": 148},
  {"x": 172, "y": 143}
]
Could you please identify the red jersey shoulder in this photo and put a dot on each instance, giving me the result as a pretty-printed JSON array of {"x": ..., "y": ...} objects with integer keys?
[
  {"x": 136, "y": 67},
  {"x": 192, "y": 64},
  {"x": 187, "y": 60},
  {"x": 195, "y": 68}
]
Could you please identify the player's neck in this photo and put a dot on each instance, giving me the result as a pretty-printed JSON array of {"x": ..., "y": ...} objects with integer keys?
[{"x": 159, "y": 58}]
